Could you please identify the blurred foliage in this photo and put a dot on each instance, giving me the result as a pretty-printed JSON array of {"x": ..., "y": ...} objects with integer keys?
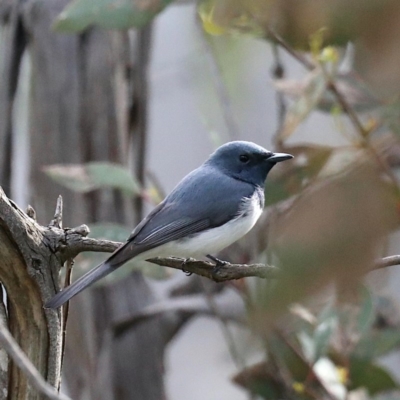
[
  {"x": 334, "y": 208},
  {"x": 357, "y": 93},
  {"x": 109, "y": 14},
  {"x": 94, "y": 175},
  {"x": 370, "y": 24},
  {"x": 311, "y": 94},
  {"x": 293, "y": 177},
  {"x": 312, "y": 357},
  {"x": 346, "y": 199}
]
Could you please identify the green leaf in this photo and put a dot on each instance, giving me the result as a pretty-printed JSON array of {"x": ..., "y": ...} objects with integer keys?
[
  {"x": 377, "y": 344},
  {"x": 367, "y": 311},
  {"x": 308, "y": 346},
  {"x": 109, "y": 14},
  {"x": 323, "y": 333},
  {"x": 365, "y": 374},
  {"x": 290, "y": 356},
  {"x": 84, "y": 178}
]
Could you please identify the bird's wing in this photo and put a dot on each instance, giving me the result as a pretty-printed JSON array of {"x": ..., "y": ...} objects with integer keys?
[
  {"x": 201, "y": 201},
  {"x": 165, "y": 233}
]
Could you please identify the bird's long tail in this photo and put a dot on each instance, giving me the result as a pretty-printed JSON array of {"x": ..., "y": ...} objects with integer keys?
[
  {"x": 119, "y": 257},
  {"x": 80, "y": 284}
]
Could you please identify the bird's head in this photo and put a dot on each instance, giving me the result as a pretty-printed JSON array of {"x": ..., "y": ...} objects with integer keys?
[{"x": 245, "y": 161}]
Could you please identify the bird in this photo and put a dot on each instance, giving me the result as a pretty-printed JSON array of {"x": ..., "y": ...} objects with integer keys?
[{"x": 211, "y": 208}]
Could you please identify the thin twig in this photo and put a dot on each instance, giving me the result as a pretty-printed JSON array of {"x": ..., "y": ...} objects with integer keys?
[
  {"x": 389, "y": 261},
  {"x": 30, "y": 212},
  {"x": 57, "y": 220},
  {"x": 78, "y": 245},
  {"x": 362, "y": 131},
  {"x": 278, "y": 72},
  {"x": 222, "y": 273},
  {"x": 298, "y": 56},
  {"x": 22, "y": 361}
]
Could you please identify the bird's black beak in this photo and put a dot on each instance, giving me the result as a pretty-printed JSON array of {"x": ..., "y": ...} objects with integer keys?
[{"x": 278, "y": 157}]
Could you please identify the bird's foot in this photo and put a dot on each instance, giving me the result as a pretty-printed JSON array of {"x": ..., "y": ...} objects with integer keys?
[
  {"x": 218, "y": 263},
  {"x": 188, "y": 273}
]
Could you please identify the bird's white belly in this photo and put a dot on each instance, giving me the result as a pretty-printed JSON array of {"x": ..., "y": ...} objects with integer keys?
[{"x": 212, "y": 240}]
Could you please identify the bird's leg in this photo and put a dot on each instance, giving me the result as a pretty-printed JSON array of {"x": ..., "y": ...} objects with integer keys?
[
  {"x": 188, "y": 273},
  {"x": 218, "y": 263}
]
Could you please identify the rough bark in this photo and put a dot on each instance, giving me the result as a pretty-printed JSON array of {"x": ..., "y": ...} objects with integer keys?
[
  {"x": 27, "y": 265},
  {"x": 3, "y": 354}
]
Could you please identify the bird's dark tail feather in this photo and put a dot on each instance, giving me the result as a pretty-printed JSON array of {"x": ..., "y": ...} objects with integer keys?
[
  {"x": 82, "y": 283},
  {"x": 118, "y": 258}
]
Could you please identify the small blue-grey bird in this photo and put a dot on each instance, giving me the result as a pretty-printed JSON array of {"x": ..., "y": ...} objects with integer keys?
[{"x": 212, "y": 207}]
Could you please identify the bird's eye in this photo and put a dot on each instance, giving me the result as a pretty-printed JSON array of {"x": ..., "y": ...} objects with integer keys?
[{"x": 244, "y": 158}]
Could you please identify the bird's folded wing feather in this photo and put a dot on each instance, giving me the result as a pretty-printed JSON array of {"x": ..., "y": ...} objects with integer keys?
[{"x": 207, "y": 201}]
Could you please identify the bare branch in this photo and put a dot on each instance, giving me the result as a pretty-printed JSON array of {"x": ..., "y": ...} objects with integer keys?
[
  {"x": 30, "y": 212},
  {"x": 222, "y": 273},
  {"x": 23, "y": 362},
  {"x": 298, "y": 56},
  {"x": 206, "y": 269},
  {"x": 75, "y": 244},
  {"x": 362, "y": 131},
  {"x": 57, "y": 220},
  {"x": 389, "y": 261},
  {"x": 278, "y": 72}
]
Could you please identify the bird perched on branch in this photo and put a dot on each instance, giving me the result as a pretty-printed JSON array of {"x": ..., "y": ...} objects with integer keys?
[{"x": 211, "y": 208}]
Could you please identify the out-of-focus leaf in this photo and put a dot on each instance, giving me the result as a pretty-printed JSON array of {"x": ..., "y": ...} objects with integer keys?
[
  {"x": 314, "y": 88},
  {"x": 333, "y": 231},
  {"x": 261, "y": 380},
  {"x": 291, "y": 178},
  {"x": 378, "y": 343},
  {"x": 351, "y": 87},
  {"x": 297, "y": 21},
  {"x": 365, "y": 374},
  {"x": 341, "y": 160},
  {"x": 206, "y": 12},
  {"x": 293, "y": 360},
  {"x": 227, "y": 16},
  {"x": 84, "y": 178},
  {"x": 308, "y": 346},
  {"x": 367, "y": 312},
  {"x": 323, "y": 333},
  {"x": 109, "y": 14},
  {"x": 315, "y": 343}
]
